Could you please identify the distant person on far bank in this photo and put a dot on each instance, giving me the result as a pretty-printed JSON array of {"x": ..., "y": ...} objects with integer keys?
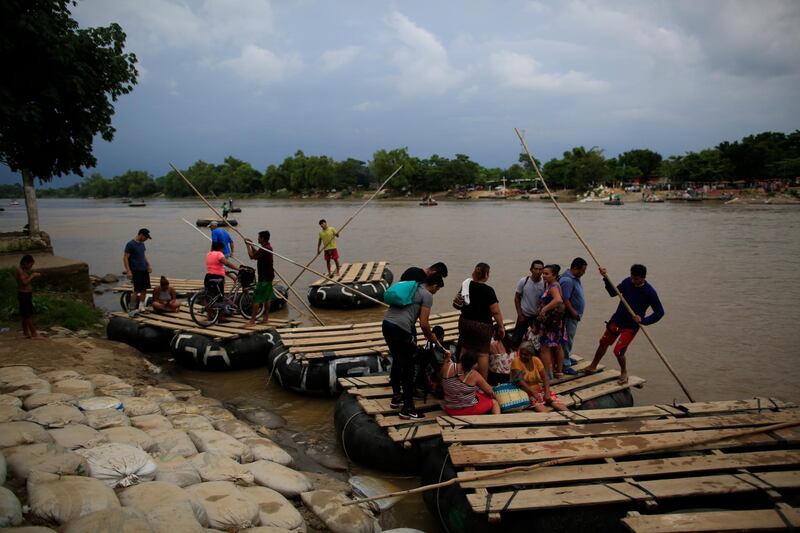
[
  {"x": 138, "y": 269},
  {"x": 526, "y": 300},
  {"x": 225, "y": 211},
  {"x": 266, "y": 274},
  {"x": 418, "y": 274},
  {"x": 641, "y": 296},
  {"x": 24, "y": 277},
  {"x": 574, "y": 304},
  {"x": 327, "y": 242}
]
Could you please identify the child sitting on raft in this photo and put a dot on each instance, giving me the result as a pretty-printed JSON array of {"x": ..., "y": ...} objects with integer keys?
[
  {"x": 501, "y": 353},
  {"x": 528, "y": 373},
  {"x": 465, "y": 390}
]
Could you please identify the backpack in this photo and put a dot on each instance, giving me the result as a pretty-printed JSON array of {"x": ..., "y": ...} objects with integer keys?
[{"x": 401, "y": 293}]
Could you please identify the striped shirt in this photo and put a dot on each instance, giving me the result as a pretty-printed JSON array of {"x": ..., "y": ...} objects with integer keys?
[{"x": 457, "y": 394}]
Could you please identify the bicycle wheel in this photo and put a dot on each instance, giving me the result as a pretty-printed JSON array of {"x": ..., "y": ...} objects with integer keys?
[
  {"x": 246, "y": 305},
  {"x": 203, "y": 308}
]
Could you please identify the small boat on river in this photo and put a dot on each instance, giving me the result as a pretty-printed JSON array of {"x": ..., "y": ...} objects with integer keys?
[
  {"x": 428, "y": 201},
  {"x": 614, "y": 200},
  {"x": 13, "y": 203},
  {"x": 140, "y": 203},
  {"x": 204, "y": 222},
  {"x": 653, "y": 199},
  {"x": 371, "y": 278}
]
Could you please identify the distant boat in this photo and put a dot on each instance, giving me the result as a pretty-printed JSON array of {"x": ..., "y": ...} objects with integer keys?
[
  {"x": 236, "y": 209},
  {"x": 13, "y": 202},
  {"x": 427, "y": 202},
  {"x": 614, "y": 200},
  {"x": 203, "y": 222},
  {"x": 137, "y": 204},
  {"x": 653, "y": 199},
  {"x": 125, "y": 201}
]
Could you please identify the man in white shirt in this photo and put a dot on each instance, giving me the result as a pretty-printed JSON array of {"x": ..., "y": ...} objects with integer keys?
[{"x": 526, "y": 300}]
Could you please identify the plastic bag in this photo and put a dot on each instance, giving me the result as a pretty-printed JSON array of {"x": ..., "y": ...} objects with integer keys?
[{"x": 119, "y": 465}]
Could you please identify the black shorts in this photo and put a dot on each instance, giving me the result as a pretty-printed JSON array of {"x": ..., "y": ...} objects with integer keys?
[
  {"x": 25, "y": 304},
  {"x": 214, "y": 284},
  {"x": 141, "y": 280}
]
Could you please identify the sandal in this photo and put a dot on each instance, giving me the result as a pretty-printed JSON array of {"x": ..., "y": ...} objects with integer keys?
[{"x": 622, "y": 381}]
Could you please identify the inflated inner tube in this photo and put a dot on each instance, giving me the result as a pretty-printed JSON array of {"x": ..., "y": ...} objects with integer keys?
[
  {"x": 236, "y": 209},
  {"x": 199, "y": 351},
  {"x": 141, "y": 336},
  {"x": 203, "y": 222},
  {"x": 276, "y": 304},
  {"x": 339, "y": 297}
]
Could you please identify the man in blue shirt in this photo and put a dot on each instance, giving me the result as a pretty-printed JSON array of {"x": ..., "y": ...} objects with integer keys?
[
  {"x": 640, "y": 295},
  {"x": 574, "y": 304},
  {"x": 138, "y": 269},
  {"x": 220, "y": 235}
]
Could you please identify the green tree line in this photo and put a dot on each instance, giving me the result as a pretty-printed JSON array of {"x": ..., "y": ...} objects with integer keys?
[{"x": 769, "y": 155}]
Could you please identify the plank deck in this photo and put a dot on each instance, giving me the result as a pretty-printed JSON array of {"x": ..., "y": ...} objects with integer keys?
[
  {"x": 358, "y": 272},
  {"x": 715, "y": 521},
  {"x": 182, "y": 286}
]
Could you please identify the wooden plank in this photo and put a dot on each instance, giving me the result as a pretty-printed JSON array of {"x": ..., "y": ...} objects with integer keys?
[
  {"x": 396, "y": 421},
  {"x": 585, "y": 381},
  {"x": 364, "y": 381},
  {"x": 667, "y": 466},
  {"x": 324, "y": 281},
  {"x": 365, "y": 275},
  {"x": 584, "y": 395},
  {"x": 414, "y": 432},
  {"x": 352, "y": 273},
  {"x": 381, "y": 405},
  {"x": 713, "y": 521},
  {"x": 378, "y": 271},
  {"x": 522, "y": 453},
  {"x": 311, "y": 332},
  {"x": 733, "y": 405},
  {"x": 338, "y": 327}
]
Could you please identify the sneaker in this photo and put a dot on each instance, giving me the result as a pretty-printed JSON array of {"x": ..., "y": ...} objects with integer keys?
[
  {"x": 569, "y": 361},
  {"x": 133, "y": 313},
  {"x": 395, "y": 402},
  {"x": 411, "y": 414},
  {"x": 570, "y": 371}
]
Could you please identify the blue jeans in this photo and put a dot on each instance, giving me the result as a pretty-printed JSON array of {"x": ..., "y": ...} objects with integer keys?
[{"x": 571, "y": 325}]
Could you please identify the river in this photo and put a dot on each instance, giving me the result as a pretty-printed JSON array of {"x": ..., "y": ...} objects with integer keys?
[{"x": 723, "y": 272}]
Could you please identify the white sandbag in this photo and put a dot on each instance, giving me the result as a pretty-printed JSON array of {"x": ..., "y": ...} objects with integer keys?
[
  {"x": 327, "y": 506},
  {"x": 74, "y": 436},
  {"x": 56, "y": 415},
  {"x": 110, "y": 521},
  {"x": 212, "y": 467},
  {"x": 368, "y": 487},
  {"x": 22, "y": 432},
  {"x": 59, "y": 375},
  {"x": 25, "y": 387},
  {"x": 204, "y": 401},
  {"x": 265, "y": 529},
  {"x": 226, "y": 506},
  {"x": 235, "y": 428},
  {"x": 157, "y": 394},
  {"x": 275, "y": 510},
  {"x": 174, "y": 518},
  {"x": 140, "y": 406},
  {"x": 10, "y": 509},
  {"x": 151, "y": 422},
  {"x": 216, "y": 414},
  {"x": 49, "y": 458},
  {"x": 190, "y": 422},
  {"x": 3, "y": 469},
  {"x": 102, "y": 380},
  {"x": 265, "y": 449},
  {"x": 119, "y": 465},
  {"x": 11, "y": 374},
  {"x": 173, "y": 442},
  {"x": 31, "y": 529},
  {"x": 288, "y": 482},
  {"x": 47, "y": 398},
  {"x": 99, "y": 402},
  {"x": 130, "y": 436},
  {"x": 13, "y": 401},
  {"x": 119, "y": 390},
  {"x": 221, "y": 444},
  {"x": 181, "y": 391},
  {"x": 151, "y": 494},
  {"x": 11, "y": 413},
  {"x": 80, "y": 388},
  {"x": 107, "y": 418},
  {"x": 178, "y": 408},
  {"x": 64, "y": 498},
  {"x": 176, "y": 470}
]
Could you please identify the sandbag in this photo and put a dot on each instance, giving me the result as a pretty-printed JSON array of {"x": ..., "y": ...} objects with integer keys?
[
  {"x": 49, "y": 458},
  {"x": 265, "y": 529},
  {"x": 288, "y": 482},
  {"x": 47, "y": 398},
  {"x": 216, "y": 414},
  {"x": 176, "y": 470},
  {"x": 22, "y": 432},
  {"x": 80, "y": 388},
  {"x": 3, "y": 469},
  {"x": 25, "y": 387},
  {"x": 106, "y": 418},
  {"x": 235, "y": 428},
  {"x": 368, "y": 487},
  {"x": 59, "y": 375},
  {"x": 102, "y": 380},
  {"x": 275, "y": 510},
  {"x": 64, "y": 498},
  {"x": 11, "y": 413},
  {"x": 10, "y": 374},
  {"x": 157, "y": 394},
  {"x": 31, "y": 529},
  {"x": 74, "y": 436},
  {"x": 56, "y": 415},
  {"x": 178, "y": 408},
  {"x": 264, "y": 449},
  {"x": 151, "y": 494},
  {"x": 130, "y": 436},
  {"x": 226, "y": 506},
  {"x": 12, "y": 401},
  {"x": 204, "y": 401},
  {"x": 176, "y": 517},
  {"x": 10, "y": 509},
  {"x": 119, "y": 520},
  {"x": 173, "y": 442},
  {"x": 119, "y": 465},
  {"x": 191, "y": 422},
  {"x": 220, "y": 443},
  {"x": 140, "y": 406},
  {"x": 181, "y": 391},
  {"x": 120, "y": 389},
  {"x": 151, "y": 422},
  {"x": 327, "y": 506},
  {"x": 99, "y": 402},
  {"x": 212, "y": 467}
]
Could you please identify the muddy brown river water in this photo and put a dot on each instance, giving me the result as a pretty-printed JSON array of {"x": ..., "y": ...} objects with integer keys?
[{"x": 726, "y": 275}]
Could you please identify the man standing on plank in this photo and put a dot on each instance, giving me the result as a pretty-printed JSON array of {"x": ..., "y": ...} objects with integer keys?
[
  {"x": 138, "y": 269},
  {"x": 327, "y": 241},
  {"x": 220, "y": 235},
  {"x": 527, "y": 295},
  {"x": 266, "y": 274},
  {"x": 640, "y": 295},
  {"x": 574, "y": 304}
]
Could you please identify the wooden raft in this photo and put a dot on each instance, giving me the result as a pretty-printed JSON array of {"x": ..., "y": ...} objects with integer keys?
[
  {"x": 181, "y": 322},
  {"x": 767, "y": 463},
  {"x": 374, "y": 394},
  {"x": 351, "y": 340},
  {"x": 181, "y": 286},
  {"x": 355, "y": 273}
]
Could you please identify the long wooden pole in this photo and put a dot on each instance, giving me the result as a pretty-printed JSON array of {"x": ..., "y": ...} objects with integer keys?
[
  {"x": 239, "y": 233},
  {"x": 594, "y": 258},
  {"x": 341, "y": 228},
  {"x": 579, "y": 458}
]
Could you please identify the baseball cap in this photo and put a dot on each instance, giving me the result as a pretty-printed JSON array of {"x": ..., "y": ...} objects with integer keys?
[
  {"x": 213, "y": 223},
  {"x": 145, "y": 232}
]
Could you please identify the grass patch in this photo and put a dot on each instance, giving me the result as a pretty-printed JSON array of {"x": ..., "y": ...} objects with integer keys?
[{"x": 52, "y": 309}]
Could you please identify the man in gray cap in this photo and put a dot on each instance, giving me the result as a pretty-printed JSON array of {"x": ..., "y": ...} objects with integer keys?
[
  {"x": 220, "y": 235},
  {"x": 138, "y": 269}
]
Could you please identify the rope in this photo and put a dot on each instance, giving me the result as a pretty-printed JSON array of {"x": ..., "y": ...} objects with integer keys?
[
  {"x": 439, "y": 507},
  {"x": 344, "y": 446}
]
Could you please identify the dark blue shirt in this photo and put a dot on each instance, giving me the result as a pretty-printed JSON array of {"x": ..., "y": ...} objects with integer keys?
[
  {"x": 136, "y": 258},
  {"x": 572, "y": 290},
  {"x": 640, "y": 299},
  {"x": 220, "y": 235}
]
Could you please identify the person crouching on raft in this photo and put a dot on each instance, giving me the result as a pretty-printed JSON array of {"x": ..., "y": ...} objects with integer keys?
[
  {"x": 165, "y": 297},
  {"x": 266, "y": 274},
  {"x": 214, "y": 282},
  {"x": 528, "y": 373},
  {"x": 465, "y": 390}
]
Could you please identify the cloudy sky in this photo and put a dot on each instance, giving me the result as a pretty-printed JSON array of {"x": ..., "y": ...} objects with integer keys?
[{"x": 259, "y": 80}]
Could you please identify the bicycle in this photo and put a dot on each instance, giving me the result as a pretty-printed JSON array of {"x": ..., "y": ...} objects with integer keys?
[{"x": 205, "y": 306}]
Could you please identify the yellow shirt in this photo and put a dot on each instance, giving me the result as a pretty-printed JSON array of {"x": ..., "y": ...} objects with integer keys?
[
  {"x": 328, "y": 237},
  {"x": 530, "y": 376}
]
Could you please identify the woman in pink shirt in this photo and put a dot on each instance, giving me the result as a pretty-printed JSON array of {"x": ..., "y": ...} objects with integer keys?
[{"x": 214, "y": 281}]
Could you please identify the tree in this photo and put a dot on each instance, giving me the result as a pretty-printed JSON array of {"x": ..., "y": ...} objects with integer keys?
[
  {"x": 384, "y": 163},
  {"x": 645, "y": 160},
  {"x": 57, "y": 89}
]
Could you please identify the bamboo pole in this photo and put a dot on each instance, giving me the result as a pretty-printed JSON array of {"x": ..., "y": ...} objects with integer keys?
[
  {"x": 574, "y": 459},
  {"x": 341, "y": 228},
  {"x": 605, "y": 276},
  {"x": 239, "y": 233}
]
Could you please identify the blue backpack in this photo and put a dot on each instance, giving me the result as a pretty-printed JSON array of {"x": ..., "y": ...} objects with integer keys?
[{"x": 401, "y": 293}]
